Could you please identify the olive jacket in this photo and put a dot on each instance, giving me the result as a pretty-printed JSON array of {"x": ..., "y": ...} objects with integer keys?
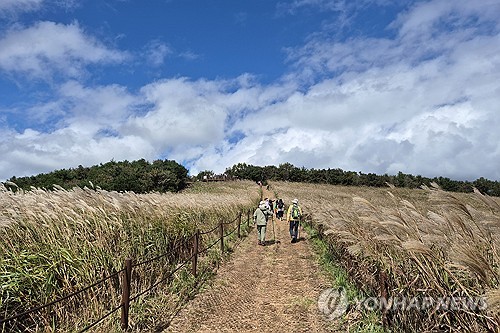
[{"x": 261, "y": 215}]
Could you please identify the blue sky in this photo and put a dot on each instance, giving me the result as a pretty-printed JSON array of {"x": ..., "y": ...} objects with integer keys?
[{"x": 370, "y": 85}]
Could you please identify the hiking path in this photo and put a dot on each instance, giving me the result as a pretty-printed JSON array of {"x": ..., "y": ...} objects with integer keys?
[{"x": 272, "y": 288}]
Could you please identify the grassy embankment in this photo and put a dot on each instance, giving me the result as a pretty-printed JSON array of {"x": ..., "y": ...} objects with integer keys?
[{"x": 54, "y": 243}]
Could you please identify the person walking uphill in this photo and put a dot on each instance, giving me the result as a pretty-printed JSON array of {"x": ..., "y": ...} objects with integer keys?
[
  {"x": 280, "y": 209},
  {"x": 260, "y": 216},
  {"x": 293, "y": 216}
]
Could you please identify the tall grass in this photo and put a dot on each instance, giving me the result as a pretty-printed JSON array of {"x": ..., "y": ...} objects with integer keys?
[
  {"x": 54, "y": 243},
  {"x": 426, "y": 242}
]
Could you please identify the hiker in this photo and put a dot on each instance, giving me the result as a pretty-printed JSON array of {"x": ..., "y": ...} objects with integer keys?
[
  {"x": 280, "y": 209},
  {"x": 260, "y": 217},
  {"x": 266, "y": 200},
  {"x": 293, "y": 216},
  {"x": 271, "y": 205}
]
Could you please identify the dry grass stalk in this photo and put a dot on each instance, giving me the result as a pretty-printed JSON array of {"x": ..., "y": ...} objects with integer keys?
[
  {"x": 53, "y": 243},
  {"x": 429, "y": 239}
]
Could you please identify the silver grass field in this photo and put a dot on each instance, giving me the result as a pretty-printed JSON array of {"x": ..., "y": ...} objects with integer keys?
[
  {"x": 427, "y": 242},
  {"x": 57, "y": 242},
  {"x": 424, "y": 242}
]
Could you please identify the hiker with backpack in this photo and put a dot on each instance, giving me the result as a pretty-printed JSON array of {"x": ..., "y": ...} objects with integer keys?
[
  {"x": 280, "y": 209},
  {"x": 266, "y": 201},
  {"x": 293, "y": 216},
  {"x": 260, "y": 216}
]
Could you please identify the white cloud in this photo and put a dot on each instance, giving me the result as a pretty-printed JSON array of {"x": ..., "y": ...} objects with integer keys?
[
  {"x": 413, "y": 104},
  {"x": 184, "y": 119},
  {"x": 388, "y": 109},
  {"x": 293, "y": 7},
  {"x": 33, "y": 151},
  {"x": 13, "y": 7},
  {"x": 189, "y": 55},
  {"x": 87, "y": 132},
  {"x": 183, "y": 113},
  {"x": 49, "y": 48},
  {"x": 101, "y": 106},
  {"x": 428, "y": 16},
  {"x": 19, "y": 5},
  {"x": 156, "y": 52}
]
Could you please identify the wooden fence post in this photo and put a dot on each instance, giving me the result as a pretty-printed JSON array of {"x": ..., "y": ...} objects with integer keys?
[
  {"x": 127, "y": 275},
  {"x": 221, "y": 237},
  {"x": 196, "y": 241},
  {"x": 239, "y": 225}
]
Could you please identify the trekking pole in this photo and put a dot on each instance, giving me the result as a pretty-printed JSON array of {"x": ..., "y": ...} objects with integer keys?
[
  {"x": 274, "y": 235},
  {"x": 298, "y": 231}
]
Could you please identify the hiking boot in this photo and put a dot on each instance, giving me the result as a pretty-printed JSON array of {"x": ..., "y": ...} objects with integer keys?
[
  {"x": 260, "y": 243},
  {"x": 294, "y": 240}
]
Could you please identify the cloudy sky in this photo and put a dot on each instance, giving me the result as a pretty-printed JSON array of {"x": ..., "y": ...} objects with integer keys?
[{"x": 368, "y": 85}]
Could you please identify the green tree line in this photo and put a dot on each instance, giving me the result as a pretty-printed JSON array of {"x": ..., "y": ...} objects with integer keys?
[
  {"x": 138, "y": 176},
  {"x": 289, "y": 172},
  {"x": 142, "y": 176}
]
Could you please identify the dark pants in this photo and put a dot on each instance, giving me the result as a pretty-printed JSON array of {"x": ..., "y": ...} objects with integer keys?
[{"x": 294, "y": 226}]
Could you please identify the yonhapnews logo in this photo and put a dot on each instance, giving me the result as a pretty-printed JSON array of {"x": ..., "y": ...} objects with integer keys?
[{"x": 333, "y": 303}]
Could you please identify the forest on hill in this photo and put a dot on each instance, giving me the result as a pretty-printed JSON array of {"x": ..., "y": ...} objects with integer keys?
[
  {"x": 142, "y": 176},
  {"x": 138, "y": 176},
  {"x": 289, "y": 172}
]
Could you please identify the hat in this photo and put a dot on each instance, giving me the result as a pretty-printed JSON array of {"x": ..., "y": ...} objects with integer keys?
[
  {"x": 262, "y": 203},
  {"x": 295, "y": 201}
]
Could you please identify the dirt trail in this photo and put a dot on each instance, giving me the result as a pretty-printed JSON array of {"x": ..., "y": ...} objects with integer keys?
[{"x": 271, "y": 288}]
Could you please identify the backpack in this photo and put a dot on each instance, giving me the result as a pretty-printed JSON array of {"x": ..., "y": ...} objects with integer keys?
[
  {"x": 295, "y": 212},
  {"x": 280, "y": 204}
]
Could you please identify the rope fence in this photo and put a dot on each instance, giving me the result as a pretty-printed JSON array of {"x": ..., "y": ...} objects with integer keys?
[
  {"x": 194, "y": 242},
  {"x": 209, "y": 246},
  {"x": 231, "y": 232},
  {"x": 156, "y": 284},
  {"x": 209, "y": 231},
  {"x": 170, "y": 252},
  {"x": 230, "y": 222},
  {"x": 95, "y": 323},
  {"x": 59, "y": 300}
]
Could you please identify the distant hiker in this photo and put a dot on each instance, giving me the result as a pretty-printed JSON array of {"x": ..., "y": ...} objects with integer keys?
[
  {"x": 266, "y": 200},
  {"x": 293, "y": 216},
  {"x": 260, "y": 217},
  {"x": 280, "y": 209},
  {"x": 271, "y": 205}
]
